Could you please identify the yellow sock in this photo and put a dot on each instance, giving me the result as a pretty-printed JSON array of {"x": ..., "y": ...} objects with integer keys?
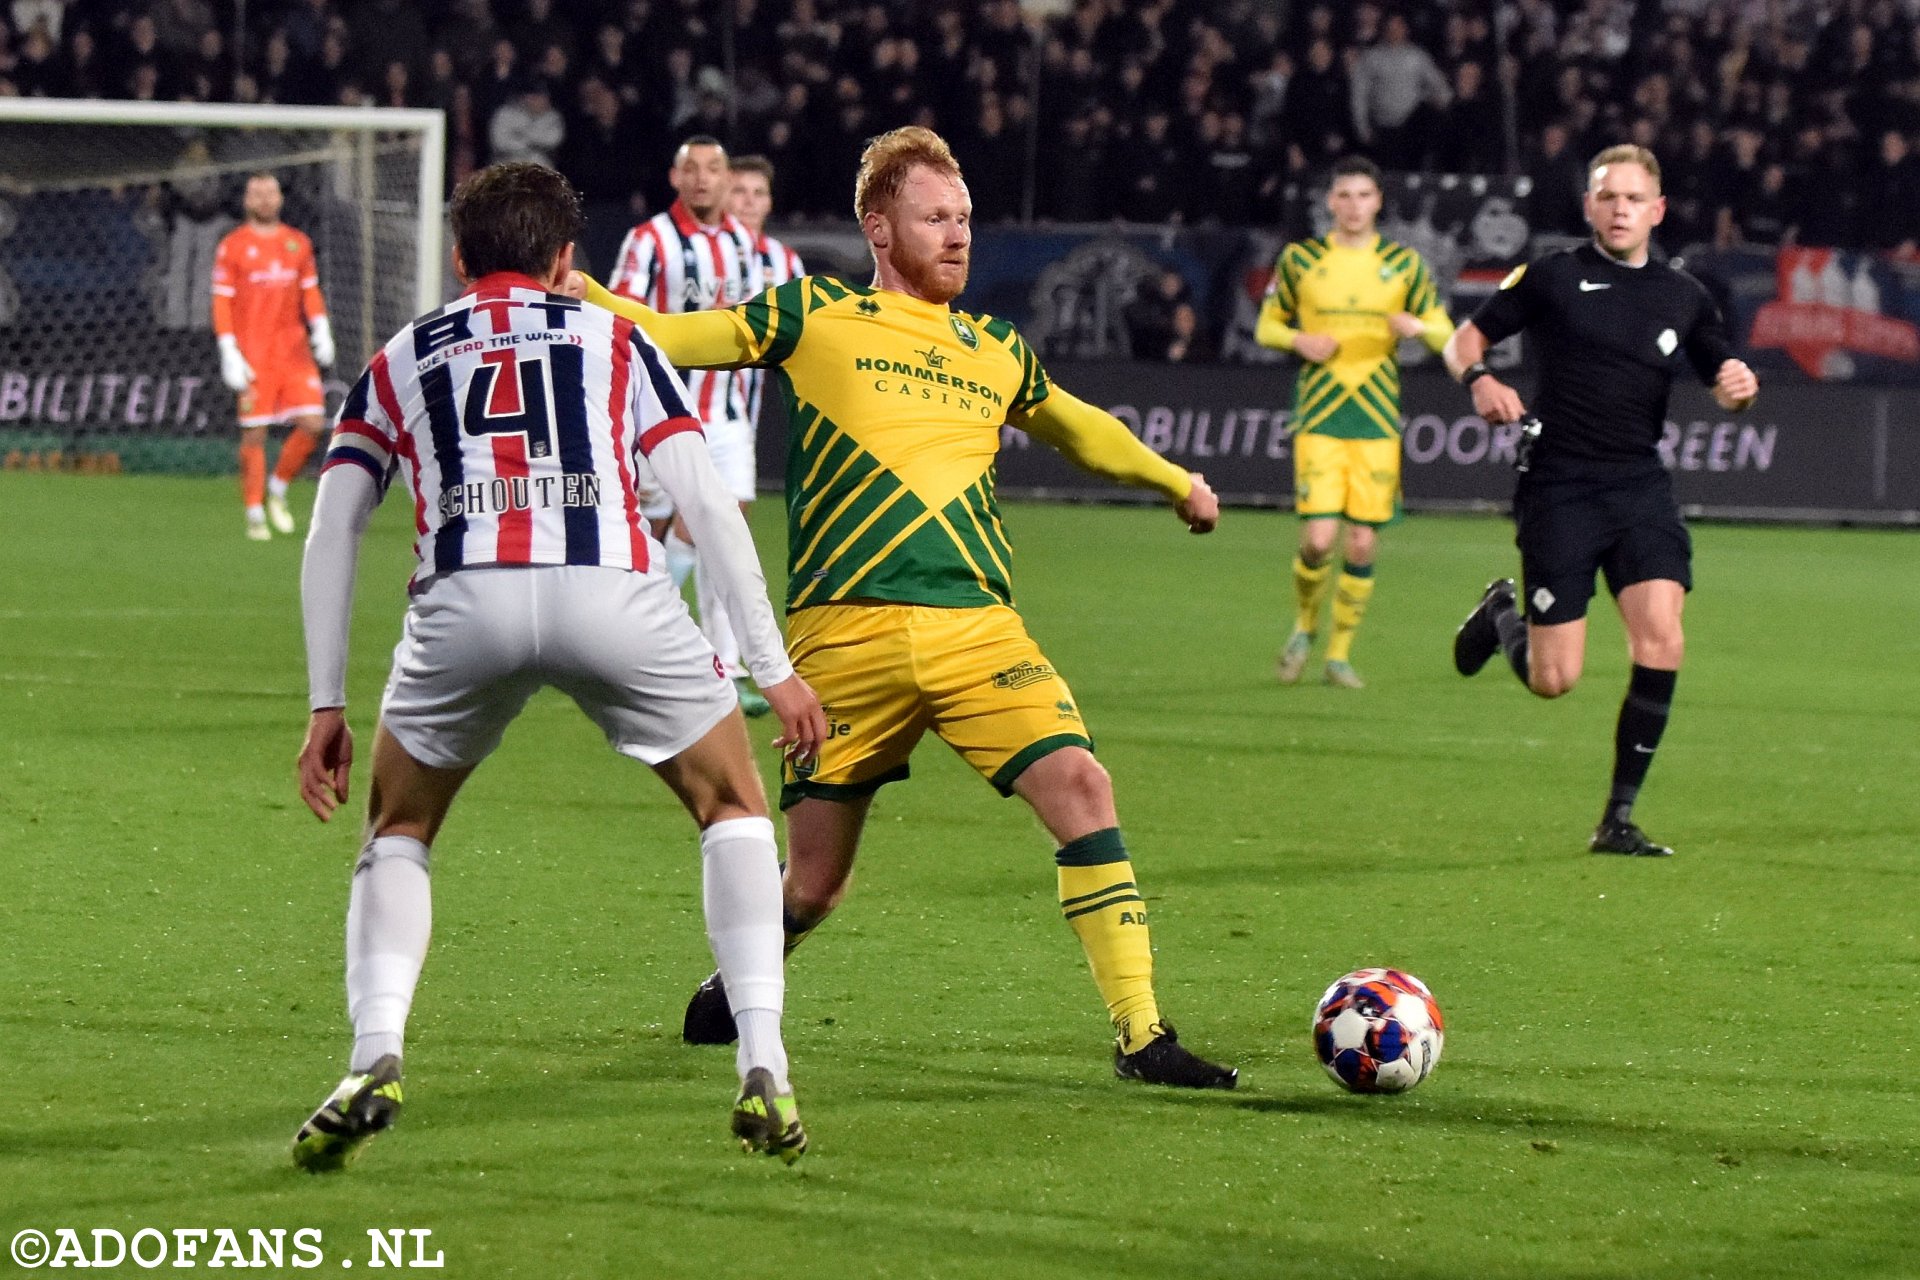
[
  {"x": 1309, "y": 588},
  {"x": 1099, "y": 899},
  {"x": 1350, "y": 598}
]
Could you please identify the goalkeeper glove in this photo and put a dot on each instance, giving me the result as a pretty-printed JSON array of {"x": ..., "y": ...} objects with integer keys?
[
  {"x": 322, "y": 335},
  {"x": 234, "y": 369}
]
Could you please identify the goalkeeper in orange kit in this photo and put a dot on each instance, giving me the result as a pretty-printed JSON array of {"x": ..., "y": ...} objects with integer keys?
[{"x": 271, "y": 324}]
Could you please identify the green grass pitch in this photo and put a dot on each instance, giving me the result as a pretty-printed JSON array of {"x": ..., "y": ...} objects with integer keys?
[{"x": 1702, "y": 1067}]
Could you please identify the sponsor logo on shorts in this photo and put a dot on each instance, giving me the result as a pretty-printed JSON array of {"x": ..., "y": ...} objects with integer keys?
[
  {"x": 1022, "y": 674},
  {"x": 1067, "y": 710}
]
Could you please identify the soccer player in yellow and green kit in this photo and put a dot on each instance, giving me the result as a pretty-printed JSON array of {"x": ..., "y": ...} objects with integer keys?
[
  {"x": 899, "y": 595},
  {"x": 1342, "y": 303}
]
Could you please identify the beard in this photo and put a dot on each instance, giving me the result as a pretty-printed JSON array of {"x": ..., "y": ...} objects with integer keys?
[{"x": 929, "y": 278}]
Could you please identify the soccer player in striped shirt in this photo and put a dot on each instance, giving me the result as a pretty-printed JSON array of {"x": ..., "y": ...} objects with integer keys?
[
  {"x": 694, "y": 257},
  {"x": 751, "y": 201},
  {"x": 1342, "y": 303},
  {"x": 270, "y": 322},
  {"x": 516, "y": 419},
  {"x": 899, "y": 590}
]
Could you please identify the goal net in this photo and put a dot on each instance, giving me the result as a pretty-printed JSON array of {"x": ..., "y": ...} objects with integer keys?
[{"x": 109, "y": 216}]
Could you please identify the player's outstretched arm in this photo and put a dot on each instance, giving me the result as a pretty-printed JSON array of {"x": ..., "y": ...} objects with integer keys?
[
  {"x": 1465, "y": 354},
  {"x": 1099, "y": 442},
  {"x": 341, "y": 510},
  {"x": 692, "y": 339},
  {"x": 1736, "y": 386}
]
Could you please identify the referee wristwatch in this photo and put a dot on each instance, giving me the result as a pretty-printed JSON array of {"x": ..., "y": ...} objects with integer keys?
[{"x": 1478, "y": 369}]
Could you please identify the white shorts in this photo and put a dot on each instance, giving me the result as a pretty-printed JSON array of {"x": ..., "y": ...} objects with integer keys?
[
  {"x": 479, "y": 642},
  {"x": 730, "y": 441}
]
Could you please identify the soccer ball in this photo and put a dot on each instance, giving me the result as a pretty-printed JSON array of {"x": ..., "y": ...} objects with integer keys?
[{"x": 1378, "y": 1031}]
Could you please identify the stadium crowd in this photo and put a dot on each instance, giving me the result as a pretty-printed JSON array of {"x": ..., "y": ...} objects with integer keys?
[{"x": 1780, "y": 120}]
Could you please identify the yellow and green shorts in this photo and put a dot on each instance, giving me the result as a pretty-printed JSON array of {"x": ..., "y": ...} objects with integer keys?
[
  {"x": 1358, "y": 479},
  {"x": 888, "y": 673}
]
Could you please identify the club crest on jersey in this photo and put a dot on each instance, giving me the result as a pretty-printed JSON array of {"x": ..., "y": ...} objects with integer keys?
[{"x": 968, "y": 337}]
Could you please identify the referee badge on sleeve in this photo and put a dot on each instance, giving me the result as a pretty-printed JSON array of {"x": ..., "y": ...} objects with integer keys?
[{"x": 1667, "y": 341}]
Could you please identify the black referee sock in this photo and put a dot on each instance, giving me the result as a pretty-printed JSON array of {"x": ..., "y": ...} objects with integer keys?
[
  {"x": 1643, "y": 718},
  {"x": 1512, "y": 630}
]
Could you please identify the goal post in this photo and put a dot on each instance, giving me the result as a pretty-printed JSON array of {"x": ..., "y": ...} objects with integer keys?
[{"x": 110, "y": 213}]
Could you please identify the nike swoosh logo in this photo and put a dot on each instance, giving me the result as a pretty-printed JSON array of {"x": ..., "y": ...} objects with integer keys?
[
  {"x": 1645, "y": 751},
  {"x": 1588, "y": 286}
]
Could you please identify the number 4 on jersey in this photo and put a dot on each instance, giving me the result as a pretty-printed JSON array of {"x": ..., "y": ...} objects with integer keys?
[{"x": 508, "y": 396}]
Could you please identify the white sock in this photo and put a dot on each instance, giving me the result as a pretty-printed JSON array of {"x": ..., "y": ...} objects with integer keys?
[
  {"x": 256, "y": 513},
  {"x": 389, "y": 919},
  {"x": 276, "y": 486},
  {"x": 740, "y": 883},
  {"x": 680, "y": 558},
  {"x": 713, "y": 622}
]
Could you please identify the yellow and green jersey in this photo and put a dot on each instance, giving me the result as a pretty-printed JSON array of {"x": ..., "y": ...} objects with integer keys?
[
  {"x": 894, "y": 408},
  {"x": 1320, "y": 286}
]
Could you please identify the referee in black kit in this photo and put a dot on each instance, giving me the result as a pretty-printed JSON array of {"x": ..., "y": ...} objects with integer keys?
[{"x": 1613, "y": 328}]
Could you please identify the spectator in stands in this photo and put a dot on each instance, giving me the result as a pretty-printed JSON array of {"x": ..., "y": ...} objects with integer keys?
[
  {"x": 1829, "y": 203},
  {"x": 1397, "y": 88},
  {"x": 83, "y": 69},
  {"x": 1153, "y": 172},
  {"x": 526, "y": 126},
  {"x": 1767, "y": 214},
  {"x": 1162, "y": 324},
  {"x": 1740, "y": 181},
  {"x": 1472, "y": 133},
  {"x": 1890, "y": 197},
  {"x": 38, "y": 70},
  {"x": 1693, "y": 188},
  {"x": 1559, "y": 178},
  {"x": 1231, "y": 178},
  {"x": 1317, "y": 118},
  {"x": 544, "y": 26}
]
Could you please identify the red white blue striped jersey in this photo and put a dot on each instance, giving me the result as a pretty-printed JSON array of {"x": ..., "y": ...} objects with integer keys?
[
  {"x": 674, "y": 264},
  {"x": 516, "y": 417},
  {"x": 778, "y": 265}
]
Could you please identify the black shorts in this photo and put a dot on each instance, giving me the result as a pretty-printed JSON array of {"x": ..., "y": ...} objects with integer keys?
[{"x": 1567, "y": 531}]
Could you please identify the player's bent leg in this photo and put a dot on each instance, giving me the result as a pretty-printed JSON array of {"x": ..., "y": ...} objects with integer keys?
[
  {"x": 1351, "y": 593},
  {"x": 307, "y": 433},
  {"x": 1556, "y": 654},
  {"x": 1072, "y": 795},
  {"x": 822, "y": 839},
  {"x": 253, "y": 481},
  {"x": 389, "y": 922},
  {"x": 1312, "y": 570}
]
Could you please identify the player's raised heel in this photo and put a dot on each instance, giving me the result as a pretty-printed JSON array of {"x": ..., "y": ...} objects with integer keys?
[
  {"x": 1293, "y": 657},
  {"x": 1478, "y": 639},
  {"x": 1164, "y": 1060},
  {"x": 752, "y": 704},
  {"x": 766, "y": 1121},
  {"x": 709, "y": 1018},
  {"x": 1625, "y": 838},
  {"x": 360, "y": 1107}
]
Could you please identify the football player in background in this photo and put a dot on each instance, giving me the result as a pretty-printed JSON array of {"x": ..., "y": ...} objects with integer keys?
[
  {"x": 1342, "y": 303},
  {"x": 271, "y": 324},
  {"x": 694, "y": 257}
]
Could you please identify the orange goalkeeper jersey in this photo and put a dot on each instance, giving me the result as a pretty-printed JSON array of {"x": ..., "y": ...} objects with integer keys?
[{"x": 265, "y": 289}]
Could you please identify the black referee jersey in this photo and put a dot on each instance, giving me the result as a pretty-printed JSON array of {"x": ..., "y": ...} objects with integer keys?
[{"x": 1610, "y": 340}]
